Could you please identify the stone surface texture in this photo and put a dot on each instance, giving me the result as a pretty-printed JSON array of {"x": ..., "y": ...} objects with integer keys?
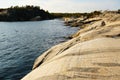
[{"x": 93, "y": 53}]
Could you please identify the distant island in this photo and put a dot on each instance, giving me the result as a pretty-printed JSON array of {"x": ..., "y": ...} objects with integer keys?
[{"x": 24, "y": 13}]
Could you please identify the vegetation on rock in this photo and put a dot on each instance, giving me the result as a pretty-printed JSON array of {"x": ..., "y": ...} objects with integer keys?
[{"x": 75, "y": 15}]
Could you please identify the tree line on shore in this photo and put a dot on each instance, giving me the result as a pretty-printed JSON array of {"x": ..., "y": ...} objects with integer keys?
[
  {"x": 92, "y": 14},
  {"x": 76, "y": 15},
  {"x": 30, "y": 13},
  {"x": 24, "y": 13}
]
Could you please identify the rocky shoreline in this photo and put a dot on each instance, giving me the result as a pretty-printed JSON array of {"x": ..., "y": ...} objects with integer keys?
[{"x": 93, "y": 53}]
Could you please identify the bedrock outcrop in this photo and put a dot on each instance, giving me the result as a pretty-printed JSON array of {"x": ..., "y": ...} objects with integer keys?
[{"x": 93, "y": 53}]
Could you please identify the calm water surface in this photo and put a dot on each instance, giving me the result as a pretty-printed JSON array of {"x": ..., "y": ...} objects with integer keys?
[{"x": 22, "y": 42}]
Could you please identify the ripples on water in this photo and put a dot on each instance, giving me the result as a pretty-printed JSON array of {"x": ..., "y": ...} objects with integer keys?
[{"x": 22, "y": 42}]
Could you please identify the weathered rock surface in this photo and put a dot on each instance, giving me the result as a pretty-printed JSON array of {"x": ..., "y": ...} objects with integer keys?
[
  {"x": 92, "y": 54},
  {"x": 37, "y": 18}
]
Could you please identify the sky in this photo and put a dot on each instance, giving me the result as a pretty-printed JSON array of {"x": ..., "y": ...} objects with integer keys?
[{"x": 65, "y": 5}]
